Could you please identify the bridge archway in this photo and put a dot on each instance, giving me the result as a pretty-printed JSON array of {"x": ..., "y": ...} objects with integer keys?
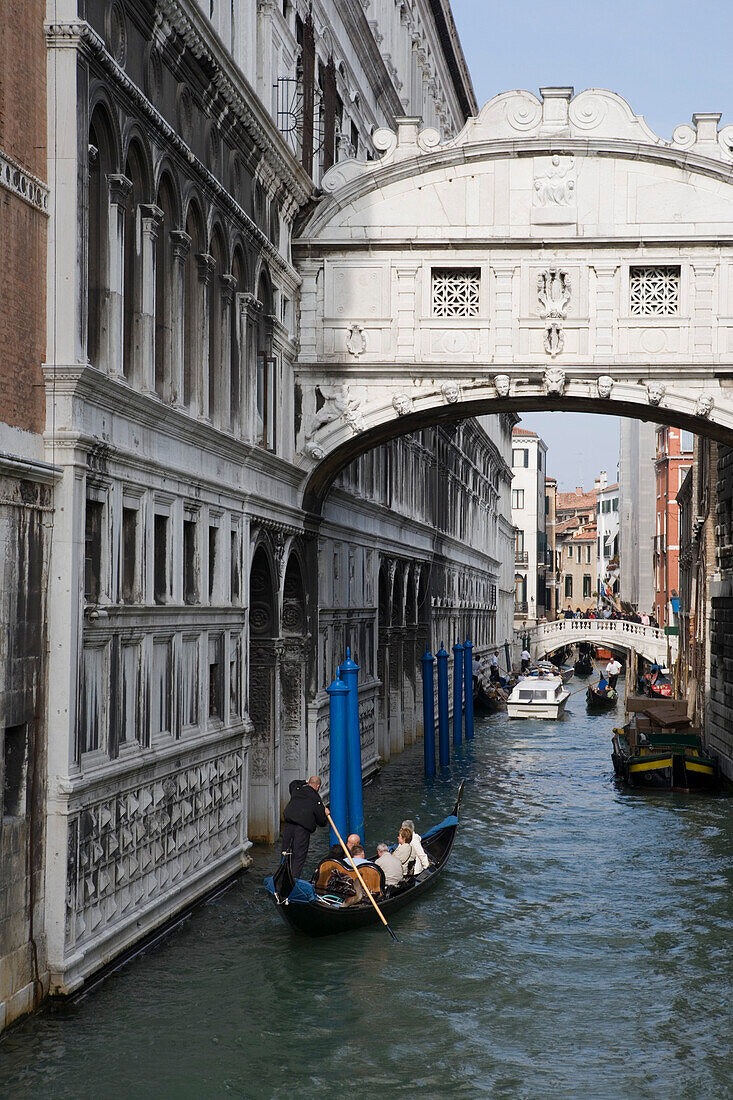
[
  {"x": 556, "y": 254},
  {"x": 648, "y": 642}
]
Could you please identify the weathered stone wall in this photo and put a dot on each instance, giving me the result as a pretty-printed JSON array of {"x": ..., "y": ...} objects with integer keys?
[
  {"x": 22, "y": 744},
  {"x": 719, "y": 733}
]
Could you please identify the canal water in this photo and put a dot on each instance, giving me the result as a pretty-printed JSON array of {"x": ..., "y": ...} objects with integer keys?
[{"x": 579, "y": 945}]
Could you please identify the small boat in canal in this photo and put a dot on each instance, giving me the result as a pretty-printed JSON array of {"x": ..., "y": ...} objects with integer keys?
[
  {"x": 538, "y": 697},
  {"x": 664, "y": 761},
  {"x": 565, "y": 672},
  {"x": 598, "y": 700},
  {"x": 308, "y": 908}
]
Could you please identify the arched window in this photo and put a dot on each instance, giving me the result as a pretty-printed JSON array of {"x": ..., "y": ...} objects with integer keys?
[
  {"x": 520, "y": 592},
  {"x": 193, "y": 307},
  {"x": 216, "y": 395},
  {"x": 266, "y": 386},
  {"x": 163, "y": 290},
  {"x": 235, "y": 346},
  {"x": 134, "y": 170},
  {"x": 100, "y": 165}
]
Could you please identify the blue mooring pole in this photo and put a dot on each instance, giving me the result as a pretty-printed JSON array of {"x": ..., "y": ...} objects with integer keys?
[
  {"x": 349, "y": 674},
  {"x": 468, "y": 681},
  {"x": 338, "y": 693},
  {"x": 428, "y": 711},
  {"x": 443, "y": 732},
  {"x": 457, "y": 693}
]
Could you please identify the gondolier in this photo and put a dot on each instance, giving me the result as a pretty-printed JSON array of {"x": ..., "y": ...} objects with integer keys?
[
  {"x": 613, "y": 669},
  {"x": 303, "y": 814}
]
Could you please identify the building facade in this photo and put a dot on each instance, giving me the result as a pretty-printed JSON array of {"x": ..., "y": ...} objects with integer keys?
[
  {"x": 554, "y": 564},
  {"x": 637, "y": 513},
  {"x": 528, "y": 516},
  {"x": 607, "y": 550},
  {"x": 674, "y": 452},
  {"x": 719, "y": 687},
  {"x": 26, "y": 487},
  {"x": 198, "y": 612},
  {"x": 576, "y": 541}
]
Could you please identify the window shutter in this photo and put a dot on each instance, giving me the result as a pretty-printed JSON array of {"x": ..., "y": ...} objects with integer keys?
[
  {"x": 329, "y": 115},
  {"x": 308, "y": 61}
]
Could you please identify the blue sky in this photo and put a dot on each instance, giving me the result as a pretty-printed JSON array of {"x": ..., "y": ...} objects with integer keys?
[{"x": 668, "y": 59}]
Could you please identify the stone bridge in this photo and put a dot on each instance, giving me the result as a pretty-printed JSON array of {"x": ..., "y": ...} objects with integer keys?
[
  {"x": 647, "y": 641},
  {"x": 556, "y": 254}
]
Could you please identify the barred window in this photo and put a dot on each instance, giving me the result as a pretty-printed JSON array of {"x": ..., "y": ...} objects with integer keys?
[
  {"x": 456, "y": 291},
  {"x": 654, "y": 291}
]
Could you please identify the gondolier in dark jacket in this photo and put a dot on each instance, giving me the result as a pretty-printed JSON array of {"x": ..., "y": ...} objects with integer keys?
[{"x": 303, "y": 814}]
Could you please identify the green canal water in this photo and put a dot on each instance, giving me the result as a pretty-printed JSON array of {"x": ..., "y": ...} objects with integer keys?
[{"x": 579, "y": 945}]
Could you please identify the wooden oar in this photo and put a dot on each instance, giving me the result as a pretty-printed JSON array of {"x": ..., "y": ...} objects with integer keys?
[{"x": 367, "y": 891}]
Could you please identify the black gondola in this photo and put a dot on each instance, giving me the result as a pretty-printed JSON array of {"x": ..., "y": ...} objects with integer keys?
[
  {"x": 584, "y": 665},
  {"x": 303, "y": 909},
  {"x": 601, "y": 700}
]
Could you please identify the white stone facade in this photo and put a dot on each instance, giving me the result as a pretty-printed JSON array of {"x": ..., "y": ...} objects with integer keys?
[
  {"x": 529, "y": 469},
  {"x": 637, "y": 513},
  {"x": 189, "y": 629},
  {"x": 608, "y": 532}
]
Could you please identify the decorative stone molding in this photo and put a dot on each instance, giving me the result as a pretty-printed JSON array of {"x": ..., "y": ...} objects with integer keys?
[
  {"x": 704, "y": 405},
  {"x": 314, "y": 450},
  {"x": 604, "y": 385},
  {"x": 119, "y": 188},
  {"x": 503, "y": 383},
  {"x": 23, "y": 184},
  {"x": 554, "y": 339},
  {"x": 554, "y": 290},
  {"x": 451, "y": 392},
  {"x": 556, "y": 186}
]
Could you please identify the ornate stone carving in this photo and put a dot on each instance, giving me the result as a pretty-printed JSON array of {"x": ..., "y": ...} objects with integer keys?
[
  {"x": 557, "y": 186},
  {"x": 554, "y": 381},
  {"x": 704, "y": 405},
  {"x": 554, "y": 339},
  {"x": 314, "y": 450},
  {"x": 655, "y": 392},
  {"x": 337, "y": 402},
  {"x": 502, "y": 383},
  {"x": 605, "y": 385},
  {"x": 356, "y": 341},
  {"x": 451, "y": 392},
  {"x": 402, "y": 404},
  {"x": 553, "y": 291},
  {"x": 117, "y": 33},
  {"x": 355, "y": 420}
]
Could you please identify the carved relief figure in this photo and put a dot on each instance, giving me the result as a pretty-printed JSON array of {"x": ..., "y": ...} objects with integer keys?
[
  {"x": 554, "y": 339},
  {"x": 451, "y": 392},
  {"x": 554, "y": 380},
  {"x": 553, "y": 291},
  {"x": 655, "y": 392},
  {"x": 402, "y": 404},
  {"x": 356, "y": 341},
  {"x": 502, "y": 383},
  {"x": 556, "y": 187},
  {"x": 704, "y": 405},
  {"x": 605, "y": 385}
]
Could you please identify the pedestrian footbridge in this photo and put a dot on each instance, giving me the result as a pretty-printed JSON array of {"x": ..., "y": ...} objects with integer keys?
[{"x": 647, "y": 641}]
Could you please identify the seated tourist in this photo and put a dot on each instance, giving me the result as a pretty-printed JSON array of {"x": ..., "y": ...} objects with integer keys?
[
  {"x": 602, "y": 684},
  {"x": 390, "y": 865},
  {"x": 421, "y": 860},
  {"x": 337, "y": 852},
  {"x": 403, "y": 851},
  {"x": 358, "y": 855}
]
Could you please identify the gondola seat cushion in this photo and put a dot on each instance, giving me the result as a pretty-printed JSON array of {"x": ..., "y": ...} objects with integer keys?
[{"x": 373, "y": 876}]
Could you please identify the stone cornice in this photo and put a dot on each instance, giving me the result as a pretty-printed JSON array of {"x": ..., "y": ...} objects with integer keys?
[
  {"x": 363, "y": 41},
  {"x": 81, "y": 36},
  {"x": 18, "y": 181},
  {"x": 29, "y": 469}
]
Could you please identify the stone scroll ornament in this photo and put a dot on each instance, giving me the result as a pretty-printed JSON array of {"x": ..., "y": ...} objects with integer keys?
[{"x": 356, "y": 341}]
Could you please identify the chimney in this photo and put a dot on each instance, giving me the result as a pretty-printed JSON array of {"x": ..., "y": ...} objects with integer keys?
[{"x": 578, "y": 490}]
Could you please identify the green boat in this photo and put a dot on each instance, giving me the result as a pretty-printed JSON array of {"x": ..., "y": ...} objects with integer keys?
[{"x": 663, "y": 761}]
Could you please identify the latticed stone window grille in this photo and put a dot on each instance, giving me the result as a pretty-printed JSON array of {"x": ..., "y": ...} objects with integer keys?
[
  {"x": 456, "y": 291},
  {"x": 654, "y": 291}
]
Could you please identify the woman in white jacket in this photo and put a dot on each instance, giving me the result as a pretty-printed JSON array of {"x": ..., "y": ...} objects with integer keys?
[{"x": 421, "y": 860}]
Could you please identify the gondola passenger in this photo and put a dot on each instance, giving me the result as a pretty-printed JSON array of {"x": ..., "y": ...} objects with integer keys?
[
  {"x": 421, "y": 860},
  {"x": 391, "y": 866},
  {"x": 403, "y": 851}
]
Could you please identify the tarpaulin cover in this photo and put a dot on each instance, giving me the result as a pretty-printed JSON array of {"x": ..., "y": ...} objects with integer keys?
[
  {"x": 302, "y": 892},
  {"x": 446, "y": 823}
]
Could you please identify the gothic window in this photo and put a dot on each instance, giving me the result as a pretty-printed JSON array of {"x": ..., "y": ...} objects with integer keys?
[
  {"x": 456, "y": 292},
  {"x": 163, "y": 289},
  {"x": 134, "y": 170},
  {"x": 654, "y": 291},
  {"x": 100, "y": 165},
  {"x": 193, "y": 309}
]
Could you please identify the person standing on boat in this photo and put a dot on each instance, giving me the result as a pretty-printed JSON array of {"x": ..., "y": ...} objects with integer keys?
[
  {"x": 525, "y": 659},
  {"x": 303, "y": 814},
  {"x": 494, "y": 666},
  {"x": 613, "y": 669}
]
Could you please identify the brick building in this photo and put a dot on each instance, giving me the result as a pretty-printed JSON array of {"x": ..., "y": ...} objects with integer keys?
[
  {"x": 673, "y": 459},
  {"x": 25, "y": 503}
]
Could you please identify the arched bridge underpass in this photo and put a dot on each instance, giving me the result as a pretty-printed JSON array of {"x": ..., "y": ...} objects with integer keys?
[{"x": 649, "y": 642}]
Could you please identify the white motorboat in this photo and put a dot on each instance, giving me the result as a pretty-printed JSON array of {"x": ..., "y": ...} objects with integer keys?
[{"x": 537, "y": 697}]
